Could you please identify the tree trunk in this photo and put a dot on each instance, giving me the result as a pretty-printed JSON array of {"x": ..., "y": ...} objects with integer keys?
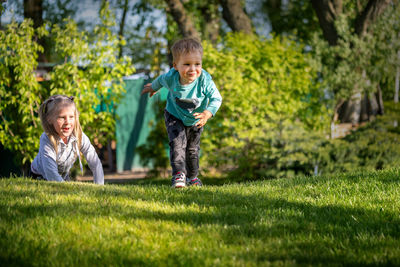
[
  {"x": 185, "y": 23},
  {"x": 211, "y": 29},
  {"x": 379, "y": 97},
  {"x": 372, "y": 11},
  {"x": 234, "y": 14},
  {"x": 122, "y": 26},
  {"x": 357, "y": 108},
  {"x": 212, "y": 22},
  {"x": 327, "y": 12},
  {"x": 350, "y": 111},
  {"x": 361, "y": 108},
  {"x": 110, "y": 158},
  {"x": 397, "y": 81},
  {"x": 33, "y": 9}
]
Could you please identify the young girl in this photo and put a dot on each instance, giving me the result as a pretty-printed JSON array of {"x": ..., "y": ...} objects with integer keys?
[{"x": 62, "y": 142}]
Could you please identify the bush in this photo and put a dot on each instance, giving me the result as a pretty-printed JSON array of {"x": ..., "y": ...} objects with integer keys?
[
  {"x": 371, "y": 147},
  {"x": 271, "y": 106},
  {"x": 19, "y": 91},
  {"x": 91, "y": 68},
  {"x": 154, "y": 152},
  {"x": 271, "y": 122}
]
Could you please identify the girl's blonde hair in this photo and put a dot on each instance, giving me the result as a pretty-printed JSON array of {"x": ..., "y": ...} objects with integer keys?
[{"x": 49, "y": 111}]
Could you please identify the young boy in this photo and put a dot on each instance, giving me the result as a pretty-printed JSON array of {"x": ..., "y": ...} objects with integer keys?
[{"x": 192, "y": 100}]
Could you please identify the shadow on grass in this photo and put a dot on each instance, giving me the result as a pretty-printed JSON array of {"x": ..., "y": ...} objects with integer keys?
[
  {"x": 308, "y": 233},
  {"x": 388, "y": 176},
  {"x": 167, "y": 181}
]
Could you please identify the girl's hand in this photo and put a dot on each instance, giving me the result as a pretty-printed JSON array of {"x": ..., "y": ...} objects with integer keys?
[
  {"x": 147, "y": 89},
  {"x": 203, "y": 118}
]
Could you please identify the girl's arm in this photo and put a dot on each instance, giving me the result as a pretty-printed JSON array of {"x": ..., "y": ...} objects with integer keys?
[
  {"x": 48, "y": 161},
  {"x": 92, "y": 159}
]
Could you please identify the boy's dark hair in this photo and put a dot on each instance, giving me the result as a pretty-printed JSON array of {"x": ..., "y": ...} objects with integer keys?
[{"x": 184, "y": 46}]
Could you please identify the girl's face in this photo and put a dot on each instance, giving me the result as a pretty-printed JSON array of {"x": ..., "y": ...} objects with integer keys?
[
  {"x": 64, "y": 122},
  {"x": 189, "y": 67}
]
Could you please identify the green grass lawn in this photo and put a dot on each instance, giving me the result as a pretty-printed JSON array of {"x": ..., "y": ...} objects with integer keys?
[{"x": 350, "y": 219}]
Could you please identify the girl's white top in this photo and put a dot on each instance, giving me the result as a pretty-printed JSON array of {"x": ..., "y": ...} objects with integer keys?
[{"x": 56, "y": 167}]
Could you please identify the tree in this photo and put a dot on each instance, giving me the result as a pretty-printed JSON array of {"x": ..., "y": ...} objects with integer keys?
[
  {"x": 47, "y": 11},
  {"x": 33, "y": 9},
  {"x": 330, "y": 15},
  {"x": 125, "y": 8},
  {"x": 386, "y": 56},
  {"x": 148, "y": 43},
  {"x": 92, "y": 72},
  {"x": 211, "y": 24},
  {"x": 270, "y": 104},
  {"x": 295, "y": 18},
  {"x": 185, "y": 23},
  {"x": 234, "y": 14},
  {"x": 19, "y": 126},
  {"x": 350, "y": 77}
]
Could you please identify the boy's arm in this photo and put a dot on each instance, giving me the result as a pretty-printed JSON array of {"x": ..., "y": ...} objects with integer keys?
[
  {"x": 203, "y": 118},
  {"x": 158, "y": 82},
  {"x": 215, "y": 101},
  {"x": 153, "y": 87},
  {"x": 215, "y": 98},
  {"x": 148, "y": 89}
]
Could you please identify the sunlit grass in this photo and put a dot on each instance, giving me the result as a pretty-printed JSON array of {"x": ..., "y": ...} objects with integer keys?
[{"x": 350, "y": 219}]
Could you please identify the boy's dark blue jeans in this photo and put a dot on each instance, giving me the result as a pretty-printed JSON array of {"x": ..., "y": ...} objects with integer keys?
[{"x": 184, "y": 144}]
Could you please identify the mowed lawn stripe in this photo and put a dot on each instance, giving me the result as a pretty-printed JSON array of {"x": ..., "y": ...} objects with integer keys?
[{"x": 350, "y": 219}]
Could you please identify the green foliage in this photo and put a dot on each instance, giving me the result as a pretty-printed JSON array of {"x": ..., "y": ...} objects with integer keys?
[
  {"x": 350, "y": 55},
  {"x": 154, "y": 152},
  {"x": 146, "y": 40},
  {"x": 2, "y": 9},
  {"x": 295, "y": 17},
  {"x": 359, "y": 63},
  {"x": 347, "y": 219},
  {"x": 20, "y": 93},
  {"x": 371, "y": 147},
  {"x": 91, "y": 69},
  {"x": 286, "y": 152},
  {"x": 269, "y": 98},
  {"x": 385, "y": 58},
  {"x": 203, "y": 12},
  {"x": 149, "y": 42}
]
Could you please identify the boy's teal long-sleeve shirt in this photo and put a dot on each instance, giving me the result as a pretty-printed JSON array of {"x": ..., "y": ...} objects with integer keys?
[{"x": 184, "y": 100}]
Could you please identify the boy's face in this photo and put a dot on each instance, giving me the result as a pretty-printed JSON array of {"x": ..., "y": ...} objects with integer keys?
[{"x": 189, "y": 67}]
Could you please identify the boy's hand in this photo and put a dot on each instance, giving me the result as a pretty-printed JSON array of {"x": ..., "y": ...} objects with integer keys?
[
  {"x": 147, "y": 89},
  {"x": 203, "y": 118}
]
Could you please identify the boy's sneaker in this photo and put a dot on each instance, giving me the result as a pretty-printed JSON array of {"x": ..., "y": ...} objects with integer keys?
[
  {"x": 179, "y": 180},
  {"x": 194, "y": 182}
]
